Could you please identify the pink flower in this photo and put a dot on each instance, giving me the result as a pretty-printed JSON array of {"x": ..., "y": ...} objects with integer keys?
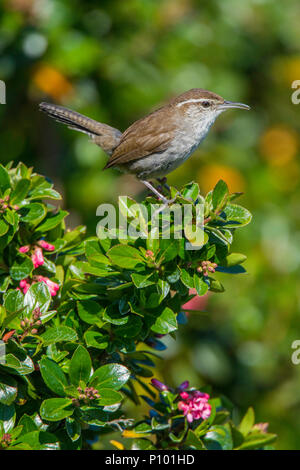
[
  {"x": 194, "y": 405},
  {"x": 24, "y": 249},
  {"x": 159, "y": 385},
  {"x": 37, "y": 257},
  {"x": 47, "y": 246},
  {"x": 24, "y": 285},
  {"x": 53, "y": 286}
]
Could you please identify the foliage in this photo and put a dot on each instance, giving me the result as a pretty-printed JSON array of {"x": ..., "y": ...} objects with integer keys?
[
  {"x": 75, "y": 311},
  {"x": 168, "y": 429}
]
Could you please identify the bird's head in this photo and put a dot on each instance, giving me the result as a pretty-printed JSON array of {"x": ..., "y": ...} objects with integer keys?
[{"x": 203, "y": 105}]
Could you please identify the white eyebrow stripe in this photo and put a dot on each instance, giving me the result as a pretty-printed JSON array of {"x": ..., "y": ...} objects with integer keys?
[{"x": 193, "y": 100}]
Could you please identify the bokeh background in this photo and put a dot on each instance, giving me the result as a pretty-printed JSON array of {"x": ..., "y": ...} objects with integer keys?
[{"x": 116, "y": 60}]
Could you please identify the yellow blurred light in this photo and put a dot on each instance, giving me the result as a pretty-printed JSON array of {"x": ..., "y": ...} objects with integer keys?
[
  {"x": 286, "y": 178},
  {"x": 132, "y": 434},
  {"x": 287, "y": 69},
  {"x": 52, "y": 82},
  {"x": 279, "y": 145},
  {"x": 117, "y": 444},
  {"x": 209, "y": 175}
]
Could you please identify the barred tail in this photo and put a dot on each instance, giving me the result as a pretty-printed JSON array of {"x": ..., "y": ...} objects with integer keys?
[{"x": 103, "y": 135}]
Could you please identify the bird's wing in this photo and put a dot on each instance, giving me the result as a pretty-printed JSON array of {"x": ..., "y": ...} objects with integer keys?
[{"x": 144, "y": 137}]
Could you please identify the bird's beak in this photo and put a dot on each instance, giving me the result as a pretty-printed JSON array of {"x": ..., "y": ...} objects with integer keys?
[{"x": 232, "y": 104}]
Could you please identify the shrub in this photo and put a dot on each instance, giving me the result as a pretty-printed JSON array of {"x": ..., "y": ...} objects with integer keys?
[{"x": 81, "y": 320}]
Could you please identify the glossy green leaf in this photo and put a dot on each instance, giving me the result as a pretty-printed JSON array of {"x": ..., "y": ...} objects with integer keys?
[
  {"x": 219, "y": 195},
  {"x": 8, "y": 389},
  {"x": 53, "y": 376},
  {"x": 52, "y": 221},
  {"x": 165, "y": 322},
  {"x": 20, "y": 191},
  {"x": 80, "y": 366},
  {"x": 21, "y": 268},
  {"x": 56, "y": 409},
  {"x": 7, "y": 418},
  {"x": 90, "y": 311},
  {"x": 57, "y": 334},
  {"x": 109, "y": 397},
  {"x": 125, "y": 256},
  {"x": 33, "y": 213},
  {"x": 96, "y": 339},
  {"x": 38, "y": 295},
  {"x": 110, "y": 376}
]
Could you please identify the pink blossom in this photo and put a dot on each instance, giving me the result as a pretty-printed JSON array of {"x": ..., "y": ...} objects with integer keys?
[
  {"x": 24, "y": 285},
  {"x": 47, "y": 246},
  {"x": 194, "y": 405},
  {"x": 24, "y": 249},
  {"x": 37, "y": 257},
  {"x": 53, "y": 286}
]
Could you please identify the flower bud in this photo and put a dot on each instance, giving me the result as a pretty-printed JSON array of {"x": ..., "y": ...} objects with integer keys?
[{"x": 159, "y": 385}]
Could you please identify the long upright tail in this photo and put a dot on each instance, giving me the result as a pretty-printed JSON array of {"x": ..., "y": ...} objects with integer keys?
[{"x": 105, "y": 136}]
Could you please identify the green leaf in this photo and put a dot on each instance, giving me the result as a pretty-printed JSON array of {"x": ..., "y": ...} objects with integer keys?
[
  {"x": 216, "y": 286},
  {"x": 57, "y": 334},
  {"x": 186, "y": 278},
  {"x": 73, "y": 429},
  {"x": 142, "y": 444},
  {"x": 191, "y": 191},
  {"x": 112, "y": 376},
  {"x": 80, "y": 366},
  {"x": 235, "y": 258},
  {"x": 90, "y": 311},
  {"x": 193, "y": 441},
  {"x": 236, "y": 216},
  {"x": 39, "y": 440},
  {"x": 125, "y": 256},
  {"x": 200, "y": 285},
  {"x": 3, "y": 227},
  {"x": 93, "y": 251},
  {"x": 33, "y": 213},
  {"x": 13, "y": 301},
  {"x": 53, "y": 376},
  {"x": 165, "y": 322},
  {"x": 218, "y": 438},
  {"x": 95, "y": 339},
  {"x": 21, "y": 268},
  {"x": 247, "y": 422},
  {"x": 7, "y": 418},
  {"x": 219, "y": 195},
  {"x": 143, "y": 280},
  {"x": 28, "y": 424},
  {"x": 131, "y": 329},
  {"x": 257, "y": 440},
  {"x": 19, "y": 366},
  {"x": 8, "y": 389},
  {"x": 20, "y": 191},
  {"x": 44, "y": 193},
  {"x": 52, "y": 221},
  {"x": 38, "y": 295},
  {"x": 109, "y": 397},
  {"x": 4, "y": 179},
  {"x": 56, "y": 409}
]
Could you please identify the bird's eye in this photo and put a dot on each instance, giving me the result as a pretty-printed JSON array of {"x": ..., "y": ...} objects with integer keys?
[{"x": 205, "y": 104}]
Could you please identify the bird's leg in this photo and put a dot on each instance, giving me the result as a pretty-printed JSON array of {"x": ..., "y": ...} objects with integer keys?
[
  {"x": 165, "y": 201},
  {"x": 155, "y": 191}
]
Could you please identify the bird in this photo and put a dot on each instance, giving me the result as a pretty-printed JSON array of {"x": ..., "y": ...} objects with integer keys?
[{"x": 156, "y": 144}]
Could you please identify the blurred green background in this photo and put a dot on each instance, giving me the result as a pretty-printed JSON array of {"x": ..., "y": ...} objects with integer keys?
[{"x": 116, "y": 60}]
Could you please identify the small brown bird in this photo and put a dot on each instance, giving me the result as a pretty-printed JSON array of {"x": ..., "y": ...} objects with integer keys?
[{"x": 157, "y": 144}]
